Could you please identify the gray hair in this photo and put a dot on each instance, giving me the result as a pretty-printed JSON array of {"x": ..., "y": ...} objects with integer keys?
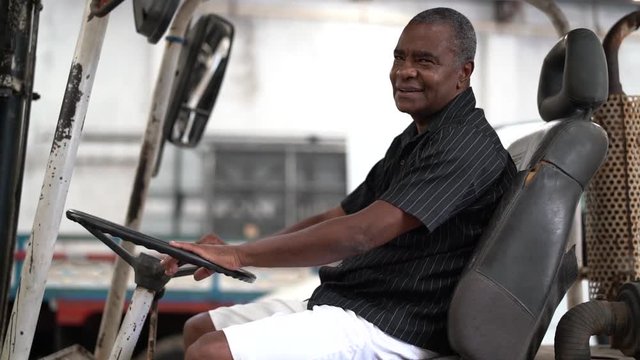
[{"x": 463, "y": 32}]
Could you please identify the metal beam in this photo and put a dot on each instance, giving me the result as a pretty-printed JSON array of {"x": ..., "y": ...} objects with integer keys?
[
  {"x": 18, "y": 38},
  {"x": 23, "y": 320},
  {"x": 149, "y": 152}
]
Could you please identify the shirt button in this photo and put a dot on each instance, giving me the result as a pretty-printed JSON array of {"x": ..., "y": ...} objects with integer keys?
[{"x": 401, "y": 162}]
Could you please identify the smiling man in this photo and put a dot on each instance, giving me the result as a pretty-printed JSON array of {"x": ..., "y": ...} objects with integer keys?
[{"x": 402, "y": 237}]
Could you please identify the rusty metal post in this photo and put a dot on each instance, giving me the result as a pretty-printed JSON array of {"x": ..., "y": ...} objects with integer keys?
[
  {"x": 558, "y": 19},
  {"x": 18, "y": 38},
  {"x": 24, "y": 315},
  {"x": 153, "y": 330},
  {"x": 613, "y": 197},
  {"x": 151, "y": 143},
  {"x": 611, "y": 44}
]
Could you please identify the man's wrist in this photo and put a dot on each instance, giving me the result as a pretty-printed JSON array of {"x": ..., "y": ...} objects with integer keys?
[{"x": 240, "y": 255}]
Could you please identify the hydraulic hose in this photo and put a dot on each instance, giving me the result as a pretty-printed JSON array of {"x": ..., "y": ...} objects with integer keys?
[{"x": 587, "y": 319}]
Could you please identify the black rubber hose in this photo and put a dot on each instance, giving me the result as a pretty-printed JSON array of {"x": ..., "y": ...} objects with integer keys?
[{"x": 586, "y": 319}]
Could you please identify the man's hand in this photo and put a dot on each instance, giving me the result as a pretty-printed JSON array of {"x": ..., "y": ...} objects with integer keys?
[{"x": 210, "y": 247}]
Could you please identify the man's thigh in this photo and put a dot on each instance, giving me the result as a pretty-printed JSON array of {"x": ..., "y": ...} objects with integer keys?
[
  {"x": 224, "y": 317},
  {"x": 326, "y": 332}
]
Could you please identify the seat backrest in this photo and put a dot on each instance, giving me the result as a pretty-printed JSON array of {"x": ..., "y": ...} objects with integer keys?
[{"x": 523, "y": 264}]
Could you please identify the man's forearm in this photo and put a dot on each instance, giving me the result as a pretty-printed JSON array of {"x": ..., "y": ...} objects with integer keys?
[
  {"x": 312, "y": 220},
  {"x": 314, "y": 245},
  {"x": 340, "y": 237}
]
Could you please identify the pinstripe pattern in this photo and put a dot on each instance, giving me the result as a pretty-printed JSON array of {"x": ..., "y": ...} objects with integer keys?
[{"x": 451, "y": 178}]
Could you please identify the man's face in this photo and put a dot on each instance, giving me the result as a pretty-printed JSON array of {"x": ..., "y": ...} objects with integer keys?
[{"x": 426, "y": 74}]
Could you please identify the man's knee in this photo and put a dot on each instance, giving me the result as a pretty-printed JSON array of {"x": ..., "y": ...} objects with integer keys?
[
  {"x": 195, "y": 327},
  {"x": 211, "y": 346}
]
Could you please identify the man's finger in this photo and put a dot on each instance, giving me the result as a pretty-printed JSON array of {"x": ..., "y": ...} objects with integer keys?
[
  {"x": 202, "y": 273},
  {"x": 168, "y": 262},
  {"x": 166, "y": 259},
  {"x": 171, "y": 268},
  {"x": 210, "y": 239},
  {"x": 190, "y": 247},
  {"x": 182, "y": 245}
]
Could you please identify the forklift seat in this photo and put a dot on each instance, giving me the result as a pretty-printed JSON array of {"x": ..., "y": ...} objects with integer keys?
[{"x": 524, "y": 263}]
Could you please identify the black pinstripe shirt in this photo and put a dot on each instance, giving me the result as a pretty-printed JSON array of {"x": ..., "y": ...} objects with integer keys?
[{"x": 450, "y": 177}]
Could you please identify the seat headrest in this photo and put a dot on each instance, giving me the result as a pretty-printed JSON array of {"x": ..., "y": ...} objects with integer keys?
[{"x": 574, "y": 76}]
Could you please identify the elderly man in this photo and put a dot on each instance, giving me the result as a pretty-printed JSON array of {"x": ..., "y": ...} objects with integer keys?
[{"x": 402, "y": 237}]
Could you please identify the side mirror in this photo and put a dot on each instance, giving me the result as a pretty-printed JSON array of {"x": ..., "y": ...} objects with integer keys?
[
  {"x": 152, "y": 17},
  {"x": 201, "y": 67}
]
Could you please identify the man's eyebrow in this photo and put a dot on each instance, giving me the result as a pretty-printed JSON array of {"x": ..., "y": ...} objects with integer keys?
[{"x": 423, "y": 54}]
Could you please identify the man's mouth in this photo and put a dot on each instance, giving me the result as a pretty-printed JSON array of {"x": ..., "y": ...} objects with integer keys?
[{"x": 409, "y": 89}]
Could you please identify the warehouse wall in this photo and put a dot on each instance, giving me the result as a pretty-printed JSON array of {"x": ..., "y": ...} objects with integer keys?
[{"x": 298, "y": 68}]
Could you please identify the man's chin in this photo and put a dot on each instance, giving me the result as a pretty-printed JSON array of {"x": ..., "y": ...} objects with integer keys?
[
  {"x": 409, "y": 106},
  {"x": 407, "y": 109}
]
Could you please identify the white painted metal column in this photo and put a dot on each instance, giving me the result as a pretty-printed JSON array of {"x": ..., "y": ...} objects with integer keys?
[
  {"x": 24, "y": 316},
  {"x": 151, "y": 144},
  {"x": 132, "y": 324}
]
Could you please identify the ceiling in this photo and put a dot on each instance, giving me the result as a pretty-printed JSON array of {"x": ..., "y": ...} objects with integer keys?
[{"x": 602, "y": 2}]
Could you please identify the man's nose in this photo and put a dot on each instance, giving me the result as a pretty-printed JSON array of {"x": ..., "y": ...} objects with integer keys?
[{"x": 407, "y": 71}]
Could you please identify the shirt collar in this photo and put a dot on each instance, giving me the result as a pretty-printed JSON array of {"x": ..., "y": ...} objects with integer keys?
[{"x": 459, "y": 106}]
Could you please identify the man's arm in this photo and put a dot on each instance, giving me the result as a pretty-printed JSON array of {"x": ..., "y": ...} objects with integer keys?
[
  {"x": 322, "y": 243},
  {"x": 171, "y": 264},
  {"x": 312, "y": 220}
]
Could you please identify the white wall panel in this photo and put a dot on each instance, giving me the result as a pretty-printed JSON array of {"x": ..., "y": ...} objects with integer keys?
[{"x": 297, "y": 68}]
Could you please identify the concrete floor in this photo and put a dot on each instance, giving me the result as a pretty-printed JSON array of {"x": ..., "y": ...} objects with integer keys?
[
  {"x": 545, "y": 353},
  {"x": 597, "y": 352}
]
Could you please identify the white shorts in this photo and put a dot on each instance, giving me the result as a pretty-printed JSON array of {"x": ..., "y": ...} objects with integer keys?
[{"x": 282, "y": 330}]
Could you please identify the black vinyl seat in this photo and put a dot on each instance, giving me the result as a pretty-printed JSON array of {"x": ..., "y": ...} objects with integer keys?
[{"x": 524, "y": 263}]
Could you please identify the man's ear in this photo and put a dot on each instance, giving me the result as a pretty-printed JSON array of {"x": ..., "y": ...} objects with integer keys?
[{"x": 465, "y": 74}]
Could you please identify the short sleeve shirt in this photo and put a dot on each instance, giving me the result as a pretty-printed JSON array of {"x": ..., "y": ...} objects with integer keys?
[{"x": 451, "y": 178}]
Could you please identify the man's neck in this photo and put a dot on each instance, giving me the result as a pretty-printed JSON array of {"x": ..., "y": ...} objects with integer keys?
[
  {"x": 421, "y": 126},
  {"x": 422, "y": 122}
]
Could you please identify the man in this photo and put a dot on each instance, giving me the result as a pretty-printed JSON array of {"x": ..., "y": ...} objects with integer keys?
[{"x": 403, "y": 236}]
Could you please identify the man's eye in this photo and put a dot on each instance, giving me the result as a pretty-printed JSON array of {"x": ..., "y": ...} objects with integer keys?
[
  {"x": 398, "y": 57},
  {"x": 425, "y": 61}
]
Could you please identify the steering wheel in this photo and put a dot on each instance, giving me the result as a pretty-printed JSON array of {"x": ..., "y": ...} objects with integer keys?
[{"x": 99, "y": 227}]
